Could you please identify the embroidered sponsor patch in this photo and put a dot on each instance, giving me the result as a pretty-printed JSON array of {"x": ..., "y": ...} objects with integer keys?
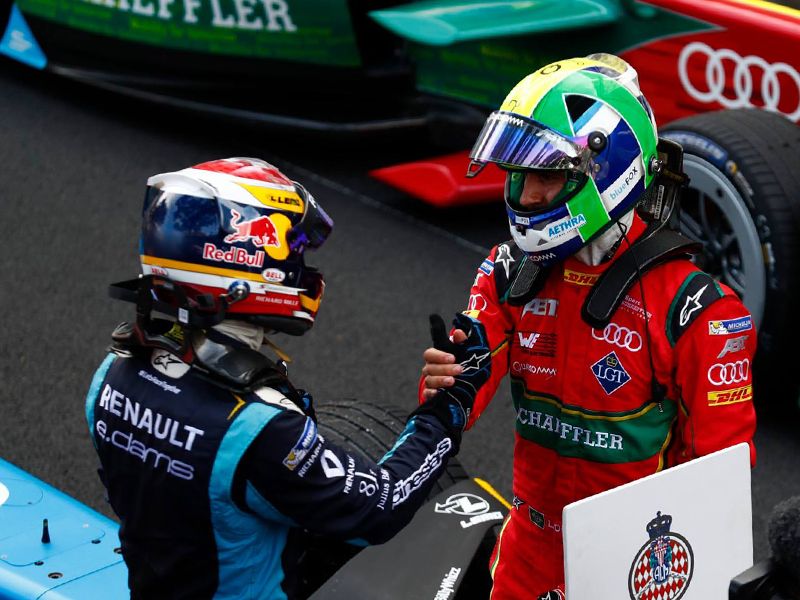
[
  {"x": 405, "y": 487},
  {"x": 542, "y": 307},
  {"x": 579, "y": 278},
  {"x": 698, "y": 292},
  {"x": 521, "y": 368},
  {"x": 731, "y": 396},
  {"x": 304, "y": 443},
  {"x": 736, "y": 344},
  {"x": 610, "y": 373},
  {"x": 730, "y": 326},
  {"x": 537, "y": 344},
  {"x": 477, "y": 302},
  {"x": 164, "y": 362},
  {"x": 487, "y": 266},
  {"x": 504, "y": 258}
]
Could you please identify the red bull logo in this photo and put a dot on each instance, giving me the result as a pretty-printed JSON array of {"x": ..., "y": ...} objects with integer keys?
[
  {"x": 236, "y": 256},
  {"x": 261, "y": 231}
]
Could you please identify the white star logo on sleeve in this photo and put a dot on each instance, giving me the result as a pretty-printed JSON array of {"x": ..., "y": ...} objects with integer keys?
[
  {"x": 687, "y": 311},
  {"x": 504, "y": 258}
]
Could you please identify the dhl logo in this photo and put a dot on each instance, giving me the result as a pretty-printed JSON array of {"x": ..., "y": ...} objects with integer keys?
[
  {"x": 732, "y": 396},
  {"x": 579, "y": 278}
]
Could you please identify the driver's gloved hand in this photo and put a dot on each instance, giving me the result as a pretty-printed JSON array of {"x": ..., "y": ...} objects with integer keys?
[{"x": 453, "y": 405}]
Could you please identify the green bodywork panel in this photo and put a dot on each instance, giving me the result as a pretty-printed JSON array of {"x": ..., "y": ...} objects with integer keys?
[
  {"x": 483, "y": 71},
  {"x": 305, "y": 31},
  {"x": 444, "y": 22}
]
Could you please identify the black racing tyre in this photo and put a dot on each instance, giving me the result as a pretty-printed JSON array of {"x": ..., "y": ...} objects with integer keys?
[
  {"x": 743, "y": 203},
  {"x": 372, "y": 429}
]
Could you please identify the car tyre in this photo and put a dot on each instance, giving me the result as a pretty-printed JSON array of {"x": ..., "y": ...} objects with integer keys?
[{"x": 743, "y": 203}]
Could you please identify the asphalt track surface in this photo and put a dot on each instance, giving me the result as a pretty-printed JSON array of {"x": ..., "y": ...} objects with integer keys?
[{"x": 73, "y": 166}]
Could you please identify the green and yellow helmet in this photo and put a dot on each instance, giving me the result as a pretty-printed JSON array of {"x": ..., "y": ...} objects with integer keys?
[{"x": 583, "y": 115}]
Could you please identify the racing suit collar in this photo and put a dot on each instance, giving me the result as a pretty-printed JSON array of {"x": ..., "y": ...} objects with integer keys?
[
  {"x": 636, "y": 229},
  {"x": 248, "y": 334}
]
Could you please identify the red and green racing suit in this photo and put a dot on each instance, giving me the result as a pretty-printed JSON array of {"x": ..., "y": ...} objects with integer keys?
[{"x": 585, "y": 418}]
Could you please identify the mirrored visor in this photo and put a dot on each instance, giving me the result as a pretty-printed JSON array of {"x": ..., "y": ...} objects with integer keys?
[
  {"x": 514, "y": 141},
  {"x": 315, "y": 226}
]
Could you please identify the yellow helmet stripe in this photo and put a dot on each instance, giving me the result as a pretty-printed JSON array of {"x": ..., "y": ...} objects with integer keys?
[
  {"x": 194, "y": 268},
  {"x": 527, "y": 94},
  {"x": 310, "y": 304},
  {"x": 273, "y": 198}
]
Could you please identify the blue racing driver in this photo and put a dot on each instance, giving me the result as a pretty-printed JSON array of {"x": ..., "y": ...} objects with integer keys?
[{"x": 211, "y": 457}]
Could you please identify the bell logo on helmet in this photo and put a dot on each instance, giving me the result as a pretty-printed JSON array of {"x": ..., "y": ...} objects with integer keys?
[
  {"x": 261, "y": 231},
  {"x": 273, "y": 275}
]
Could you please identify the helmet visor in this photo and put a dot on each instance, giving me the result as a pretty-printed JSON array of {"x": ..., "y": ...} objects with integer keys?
[
  {"x": 517, "y": 142},
  {"x": 315, "y": 226}
]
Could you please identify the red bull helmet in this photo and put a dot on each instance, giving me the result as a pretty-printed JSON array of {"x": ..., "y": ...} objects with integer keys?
[{"x": 232, "y": 234}]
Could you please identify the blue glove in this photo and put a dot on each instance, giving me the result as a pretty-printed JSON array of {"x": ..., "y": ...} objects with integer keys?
[{"x": 453, "y": 405}]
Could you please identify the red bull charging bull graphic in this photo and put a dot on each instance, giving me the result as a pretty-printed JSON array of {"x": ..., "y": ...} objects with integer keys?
[{"x": 261, "y": 231}]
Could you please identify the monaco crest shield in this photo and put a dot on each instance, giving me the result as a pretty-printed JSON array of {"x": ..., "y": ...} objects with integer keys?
[{"x": 663, "y": 566}]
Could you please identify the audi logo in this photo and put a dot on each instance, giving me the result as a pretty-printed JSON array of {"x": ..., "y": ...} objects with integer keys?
[
  {"x": 477, "y": 302},
  {"x": 619, "y": 336},
  {"x": 728, "y": 373},
  {"x": 745, "y": 67}
]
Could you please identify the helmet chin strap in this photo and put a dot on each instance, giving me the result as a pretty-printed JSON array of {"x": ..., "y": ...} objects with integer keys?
[{"x": 597, "y": 251}]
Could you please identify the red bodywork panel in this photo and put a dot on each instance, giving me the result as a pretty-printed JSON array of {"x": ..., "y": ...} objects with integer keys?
[
  {"x": 752, "y": 59},
  {"x": 442, "y": 180}
]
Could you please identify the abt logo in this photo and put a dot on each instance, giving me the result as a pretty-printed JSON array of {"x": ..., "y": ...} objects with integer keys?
[{"x": 542, "y": 307}]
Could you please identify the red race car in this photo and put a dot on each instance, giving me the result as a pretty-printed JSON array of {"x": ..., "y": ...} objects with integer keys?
[{"x": 723, "y": 77}]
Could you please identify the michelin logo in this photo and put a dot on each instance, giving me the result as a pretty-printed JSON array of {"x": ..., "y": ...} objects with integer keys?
[
  {"x": 306, "y": 441},
  {"x": 730, "y": 326}
]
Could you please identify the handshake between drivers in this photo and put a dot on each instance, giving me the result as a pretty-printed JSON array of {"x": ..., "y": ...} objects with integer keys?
[{"x": 455, "y": 369}]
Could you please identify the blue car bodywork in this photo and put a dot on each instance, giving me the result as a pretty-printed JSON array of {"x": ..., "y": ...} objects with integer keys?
[{"x": 81, "y": 558}]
